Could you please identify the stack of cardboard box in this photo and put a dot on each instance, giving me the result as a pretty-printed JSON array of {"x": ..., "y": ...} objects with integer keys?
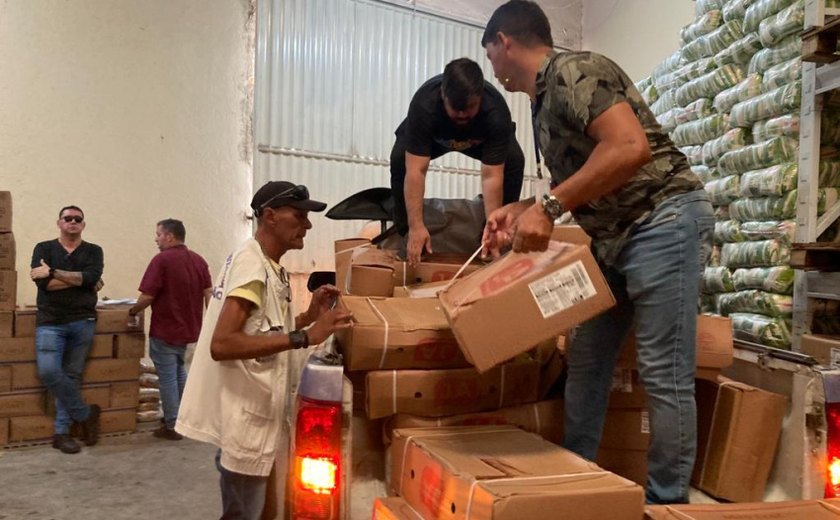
[
  {"x": 110, "y": 378},
  {"x": 8, "y": 276}
]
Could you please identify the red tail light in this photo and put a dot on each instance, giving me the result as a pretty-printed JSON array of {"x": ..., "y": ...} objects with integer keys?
[
  {"x": 317, "y": 461},
  {"x": 832, "y": 477}
]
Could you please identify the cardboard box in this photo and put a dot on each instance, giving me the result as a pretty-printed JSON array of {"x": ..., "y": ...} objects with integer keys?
[
  {"x": 107, "y": 370},
  {"x": 102, "y": 346},
  {"x": 630, "y": 464},
  {"x": 344, "y": 250},
  {"x": 627, "y": 390},
  {"x": 745, "y": 430},
  {"x": 4, "y": 432},
  {"x": 31, "y": 428},
  {"x": 25, "y": 322},
  {"x": 420, "y": 290},
  {"x": 792, "y": 510},
  {"x": 705, "y": 395},
  {"x": 24, "y": 376},
  {"x": 112, "y": 421},
  {"x": 545, "y": 418},
  {"x": 434, "y": 268},
  {"x": 551, "y": 369},
  {"x": 91, "y": 394},
  {"x": 503, "y": 473},
  {"x": 7, "y": 324},
  {"x": 371, "y": 272},
  {"x": 7, "y": 251},
  {"x": 626, "y": 430},
  {"x": 17, "y": 349},
  {"x": 570, "y": 233},
  {"x": 5, "y": 378},
  {"x": 8, "y": 290},
  {"x": 825, "y": 349},
  {"x": 129, "y": 346},
  {"x": 114, "y": 318},
  {"x": 22, "y": 403},
  {"x": 437, "y": 393},
  {"x": 124, "y": 395},
  {"x": 5, "y": 211},
  {"x": 392, "y": 333},
  {"x": 521, "y": 299},
  {"x": 393, "y": 508},
  {"x": 714, "y": 348}
]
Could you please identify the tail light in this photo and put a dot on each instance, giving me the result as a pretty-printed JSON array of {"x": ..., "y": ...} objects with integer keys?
[
  {"x": 832, "y": 477},
  {"x": 317, "y": 461}
]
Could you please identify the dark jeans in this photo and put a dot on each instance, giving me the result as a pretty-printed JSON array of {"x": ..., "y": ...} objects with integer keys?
[{"x": 512, "y": 187}]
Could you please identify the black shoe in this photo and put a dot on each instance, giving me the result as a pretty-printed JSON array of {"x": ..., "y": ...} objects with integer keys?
[
  {"x": 90, "y": 427},
  {"x": 65, "y": 443},
  {"x": 165, "y": 433}
]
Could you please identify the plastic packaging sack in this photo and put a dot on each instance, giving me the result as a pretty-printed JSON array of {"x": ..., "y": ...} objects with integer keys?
[
  {"x": 149, "y": 381},
  {"x": 708, "y": 304},
  {"x": 765, "y": 208},
  {"x": 149, "y": 416},
  {"x": 672, "y": 62},
  {"x": 716, "y": 280},
  {"x": 643, "y": 83},
  {"x": 705, "y": 173},
  {"x": 733, "y": 139},
  {"x": 777, "y": 279},
  {"x": 723, "y": 191},
  {"x": 829, "y": 173},
  {"x": 781, "y": 230},
  {"x": 714, "y": 257},
  {"x": 757, "y": 156},
  {"x": 786, "y": 22},
  {"x": 709, "y": 85},
  {"x": 757, "y": 328},
  {"x": 740, "y": 52},
  {"x": 757, "y": 302},
  {"x": 694, "y": 154},
  {"x": 785, "y": 50},
  {"x": 700, "y": 131},
  {"x": 704, "y": 6},
  {"x": 780, "y": 101},
  {"x": 727, "y": 231},
  {"x": 147, "y": 366},
  {"x": 764, "y": 253},
  {"x": 664, "y": 103},
  {"x": 713, "y": 42},
  {"x": 782, "y": 74},
  {"x": 762, "y": 9},
  {"x": 693, "y": 111},
  {"x": 704, "y": 24},
  {"x": 746, "y": 89},
  {"x": 736, "y": 9},
  {"x": 650, "y": 94},
  {"x": 722, "y": 213},
  {"x": 686, "y": 73},
  {"x": 773, "y": 181},
  {"x": 668, "y": 120},
  {"x": 149, "y": 395},
  {"x": 780, "y": 126}
]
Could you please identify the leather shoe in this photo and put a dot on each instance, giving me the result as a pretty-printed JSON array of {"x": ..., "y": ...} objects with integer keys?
[
  {"x": 65, "y": 443},
  {"x": 90, "y": 427},
  {"x": 165, "y": 433}
]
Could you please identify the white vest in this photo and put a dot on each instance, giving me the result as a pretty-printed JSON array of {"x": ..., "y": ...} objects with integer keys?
[{"x": 240, "y": 405}]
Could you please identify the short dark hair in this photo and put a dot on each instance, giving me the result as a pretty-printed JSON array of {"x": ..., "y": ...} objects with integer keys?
[
  {"x": 176, "y": 227},
  {"x": 65, "y": 208},
  {"x": 462, "y": 79},
  {"x": 522, "y": 20}
]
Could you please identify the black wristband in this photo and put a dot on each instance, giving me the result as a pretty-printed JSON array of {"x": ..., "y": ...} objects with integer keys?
[{"x": 299, "y": 339}]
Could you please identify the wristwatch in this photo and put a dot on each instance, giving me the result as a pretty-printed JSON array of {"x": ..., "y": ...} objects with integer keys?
[
  {"x": 298, "y": 339},
  {"x": 552, "y": 207}
]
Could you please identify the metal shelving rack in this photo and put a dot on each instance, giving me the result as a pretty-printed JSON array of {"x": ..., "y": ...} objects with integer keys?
[{"x": 817, "y": 80}]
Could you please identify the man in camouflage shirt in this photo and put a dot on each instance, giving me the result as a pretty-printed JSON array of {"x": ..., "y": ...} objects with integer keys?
[{"x": 650, "y": 221}]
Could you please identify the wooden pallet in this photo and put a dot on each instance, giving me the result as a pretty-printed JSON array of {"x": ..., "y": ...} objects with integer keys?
[
  {"x": 815, "y": 256},
  {"x": 819, "y": 45}
]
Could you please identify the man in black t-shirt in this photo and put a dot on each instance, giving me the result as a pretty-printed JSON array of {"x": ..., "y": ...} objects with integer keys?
[
  {"x": 456, "y": 111},
  {"x": 68, "y": 273}
]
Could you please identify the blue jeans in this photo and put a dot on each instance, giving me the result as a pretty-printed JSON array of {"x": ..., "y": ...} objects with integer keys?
[
  {"x": 243, "y": 496},
  {"x": 656, "y": 285},
  {"x": 61, "y": 351},
  {"x": 169, "y": 363}
]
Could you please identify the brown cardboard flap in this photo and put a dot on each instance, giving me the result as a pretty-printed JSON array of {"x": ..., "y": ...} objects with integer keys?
[
  {"x": 824, "y": 348},
  {"x": 394, "y": 508},
  {"x": 791, "y": 510},
  {"x": 404, "y": 314}
]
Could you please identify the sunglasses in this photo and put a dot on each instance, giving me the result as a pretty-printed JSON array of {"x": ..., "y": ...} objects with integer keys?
[
  {"x": 75, "y": 218},
  {"x": 298, "y": 192}
]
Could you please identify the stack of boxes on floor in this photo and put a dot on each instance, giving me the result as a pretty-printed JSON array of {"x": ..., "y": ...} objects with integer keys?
[
  {"x": 110, "y": 377},
  {"x": 730, "y": 97}
]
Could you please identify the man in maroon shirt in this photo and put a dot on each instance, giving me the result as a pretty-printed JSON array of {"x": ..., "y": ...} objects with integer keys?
[{"x": 177, "y": 285}]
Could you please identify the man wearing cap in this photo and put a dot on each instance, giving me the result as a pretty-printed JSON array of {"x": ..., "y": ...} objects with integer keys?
[
  {"x": 456, "y": 111},
  {"x": 236, "y": 392},
  {"x": 177, "y": 285}
]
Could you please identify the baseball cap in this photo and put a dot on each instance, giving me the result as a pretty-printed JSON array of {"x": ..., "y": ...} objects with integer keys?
[{"x": 275, "y": 194}]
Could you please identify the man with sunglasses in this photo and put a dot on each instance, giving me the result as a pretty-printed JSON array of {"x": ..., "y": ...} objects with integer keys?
[
  {"x": 68, "y": 273},
  {"x": 177, "y": 285},
  {"x": 454, "y": 112},
  {"x": 237, "y": 389}
]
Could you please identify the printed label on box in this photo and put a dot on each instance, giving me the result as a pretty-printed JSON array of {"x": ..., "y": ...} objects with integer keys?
[
  {"x": 645, "y": 422},
  {"x": 562, "y": 289}
]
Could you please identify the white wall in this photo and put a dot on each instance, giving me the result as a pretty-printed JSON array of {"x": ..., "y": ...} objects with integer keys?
[
  {"x": 636, "y": 34},
  {"x": 135, "y": 111}
]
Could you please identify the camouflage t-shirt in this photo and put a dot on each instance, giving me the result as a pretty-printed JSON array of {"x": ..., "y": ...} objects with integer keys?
[{"x": 574, "y": 88}]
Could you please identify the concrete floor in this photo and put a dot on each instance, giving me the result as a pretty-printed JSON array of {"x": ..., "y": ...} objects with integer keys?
[{"x": 130, "y": 476}]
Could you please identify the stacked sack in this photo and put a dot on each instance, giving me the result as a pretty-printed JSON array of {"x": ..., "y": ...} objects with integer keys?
[
  {"x": 148, "y": 409},
  {"x": 730, "y": 97}
]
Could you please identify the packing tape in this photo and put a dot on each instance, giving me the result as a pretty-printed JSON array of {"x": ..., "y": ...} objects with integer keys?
[
  {"x": 524, "y": 479},
  {"x": 461, "y": 270},
  {"x": 537, "y": 417},
  {"x": 502, "y": 389},
  {"x": 442, "y": 434},
  {"x": 394, "y": 391},
  {"x": 387, "y": 330}
]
